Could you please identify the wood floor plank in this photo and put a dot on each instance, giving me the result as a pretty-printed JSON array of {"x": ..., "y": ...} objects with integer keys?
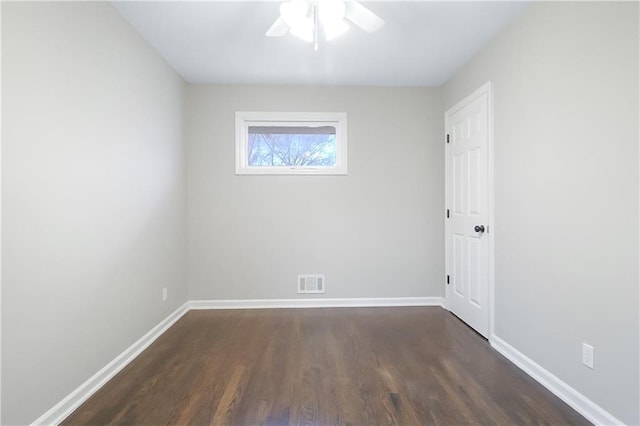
[{"x": 338, "y": 366}]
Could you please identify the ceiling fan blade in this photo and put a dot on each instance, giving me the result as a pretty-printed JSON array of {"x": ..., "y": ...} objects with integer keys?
[
  {"x": 363, "y": 17},
  {"x": 278, "y": 29}
]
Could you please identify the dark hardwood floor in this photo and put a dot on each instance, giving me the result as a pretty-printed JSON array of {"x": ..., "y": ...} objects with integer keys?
[{"x": 343, "y": 366}]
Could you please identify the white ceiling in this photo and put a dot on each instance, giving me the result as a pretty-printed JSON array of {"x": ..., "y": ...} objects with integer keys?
[{"x": 423, "y": 43}]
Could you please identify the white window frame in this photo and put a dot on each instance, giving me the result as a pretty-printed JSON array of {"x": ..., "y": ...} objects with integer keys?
[{"x": 245, "y": 119}]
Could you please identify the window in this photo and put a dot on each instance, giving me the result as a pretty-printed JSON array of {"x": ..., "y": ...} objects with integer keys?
[{"x": 284, "y": 143}]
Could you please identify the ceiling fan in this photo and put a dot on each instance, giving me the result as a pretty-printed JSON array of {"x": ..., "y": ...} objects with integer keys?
[{"x": 303, "y": 18}]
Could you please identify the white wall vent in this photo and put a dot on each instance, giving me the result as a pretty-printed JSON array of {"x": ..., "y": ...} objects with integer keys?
[{"x": 311, "y": 284}]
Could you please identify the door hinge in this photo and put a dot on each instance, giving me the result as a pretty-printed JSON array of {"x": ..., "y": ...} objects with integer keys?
[
  {"x": 447, "y": 213},
  {"x": 447, "y": 138},
  {"x": 447, "y": 279}
]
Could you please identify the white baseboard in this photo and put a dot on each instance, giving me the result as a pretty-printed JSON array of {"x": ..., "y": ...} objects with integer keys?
[
  {"x": 316, "y": 303},
  {"x": 83, "y": 392},
  {"x": 589, "y": 409},
  {"x": 572, "y": 397},
  {"x": 72, "y": 401}
]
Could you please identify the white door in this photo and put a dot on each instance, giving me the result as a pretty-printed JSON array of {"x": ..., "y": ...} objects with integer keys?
[{"x": 467, "y": 203}]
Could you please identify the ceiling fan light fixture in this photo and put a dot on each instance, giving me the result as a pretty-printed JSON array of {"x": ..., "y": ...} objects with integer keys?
[{"x": 306, "y": 19}]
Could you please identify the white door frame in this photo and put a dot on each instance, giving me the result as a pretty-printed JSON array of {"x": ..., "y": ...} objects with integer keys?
[{"x": 486, "y": 88}]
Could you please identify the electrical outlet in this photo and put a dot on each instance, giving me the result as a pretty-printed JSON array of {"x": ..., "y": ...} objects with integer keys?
[
  {"x": 164, "y": 294},
  {"x": 587, "y": 355}
]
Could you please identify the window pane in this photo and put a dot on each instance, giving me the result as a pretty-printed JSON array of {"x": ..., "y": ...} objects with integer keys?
[{"x": 292, "y": 146}]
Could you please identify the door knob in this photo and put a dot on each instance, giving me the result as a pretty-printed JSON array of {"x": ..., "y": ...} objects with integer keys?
[{"x": 479, "y": 228}]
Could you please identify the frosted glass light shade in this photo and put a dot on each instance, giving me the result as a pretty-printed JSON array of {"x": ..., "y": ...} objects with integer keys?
[
  {"x": 335, "y": 29},
  {"x": 304, "y": 30},
  {"x": 294, "y": 12}
]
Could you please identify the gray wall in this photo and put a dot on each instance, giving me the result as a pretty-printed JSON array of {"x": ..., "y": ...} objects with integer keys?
[
  {"x": 377, "y": 232},
  {"x": 93, "y": 212},
  {"x": 93, "y": 220},
  {"x": 566, "y": 191}
]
